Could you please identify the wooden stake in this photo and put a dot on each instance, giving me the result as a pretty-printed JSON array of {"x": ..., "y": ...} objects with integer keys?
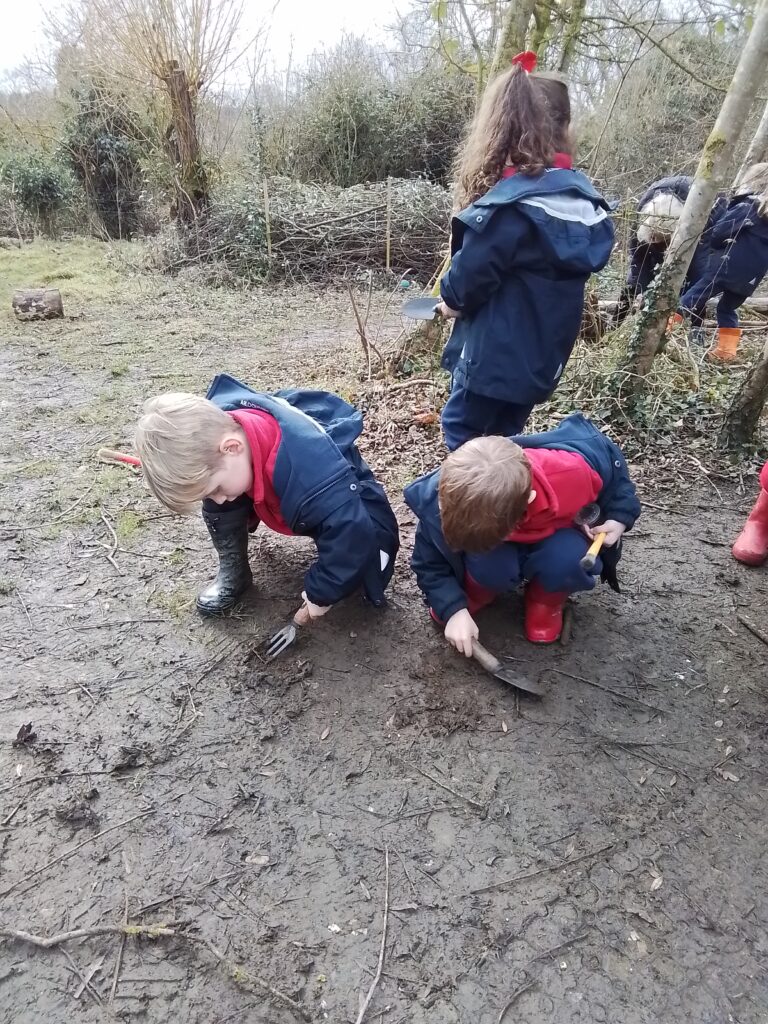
[
  {"x": 388, "y": 261},
  {"x": 267, "y": 221}
]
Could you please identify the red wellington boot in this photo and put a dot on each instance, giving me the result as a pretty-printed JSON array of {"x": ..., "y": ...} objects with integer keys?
[
  {"x": 751, "y": 545},
  {"x": 543, "y": 613}
]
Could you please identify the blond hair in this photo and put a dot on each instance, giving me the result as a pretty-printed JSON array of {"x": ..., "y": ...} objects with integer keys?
[
  {"x": 523, "y": 119},
  {"x": 754, "y": 182},
  {"x": 660, "y": 216},
  {"x": 178, "y": 441},
  {"x": 483, "y": 493}
]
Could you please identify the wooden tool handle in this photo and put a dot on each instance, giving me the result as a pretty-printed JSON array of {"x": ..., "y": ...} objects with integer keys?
[
  {"x": 588, "y": 561},
  {"x": 107, "y": 455},
  {"x": 489, "y": 662}
]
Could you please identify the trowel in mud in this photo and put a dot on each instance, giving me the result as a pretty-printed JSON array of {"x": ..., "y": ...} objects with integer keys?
[
  {"x": 424, "y": 308},
  {"x": 507, "y": 675}
]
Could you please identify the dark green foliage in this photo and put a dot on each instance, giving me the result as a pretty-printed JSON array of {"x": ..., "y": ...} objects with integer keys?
[
  {"x": 104, "y": 141},
  {"x": 40, "y": 186}
]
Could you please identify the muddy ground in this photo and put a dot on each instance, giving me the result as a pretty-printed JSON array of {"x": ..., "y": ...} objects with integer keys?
[{"x": 598, "y": 856}]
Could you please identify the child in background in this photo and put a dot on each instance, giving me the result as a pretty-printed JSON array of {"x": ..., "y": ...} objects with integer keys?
[
  {"x": 530, "y": 232},
  {"x": 658, "y": 211},
  {"x": 288, "y": 460},
  {"x": 738, "y": 261},
  {"x": 500, "y": 511},
  {"x": 751, "y": 545}
]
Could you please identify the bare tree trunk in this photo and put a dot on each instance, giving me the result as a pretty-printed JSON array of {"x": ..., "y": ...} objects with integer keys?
[
  {"x": 190, "y": 178},
  {"x": 573, "y": 25},
  {"x": 741, "y": 420},
  {"x": 514, "y": 33},
  {"x": 758, "y": 147},
  {"x": 662, "y": 296}
]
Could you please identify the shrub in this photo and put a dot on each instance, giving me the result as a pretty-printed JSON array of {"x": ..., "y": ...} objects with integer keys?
[
  {"x": 39, "y": 186},
  {"x": 355, "y": 117},
  {"x": 103, "y": 141}
]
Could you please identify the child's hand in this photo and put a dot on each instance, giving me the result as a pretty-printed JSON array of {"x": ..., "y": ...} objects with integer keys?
[
  {"x": 309, "y": 612},
  {"x": 460, "y": 630},
  {"x": 446, "y": 312},
  {"x": 613, "y": 531}
]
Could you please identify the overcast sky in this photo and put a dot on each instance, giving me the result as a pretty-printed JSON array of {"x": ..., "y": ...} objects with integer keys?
[{"x": 301, "y": 25}]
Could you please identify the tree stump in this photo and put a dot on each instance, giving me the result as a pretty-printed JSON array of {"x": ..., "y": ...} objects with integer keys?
[{"x": 37, "y": 303}]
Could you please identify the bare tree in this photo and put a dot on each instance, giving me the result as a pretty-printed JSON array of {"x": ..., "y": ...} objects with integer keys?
[
  {"x": 183, "y": 44},
  {"x": 661, "y": 297},
  {"x": 514, "y": 32},
  {"x": 757, "y": 151}
]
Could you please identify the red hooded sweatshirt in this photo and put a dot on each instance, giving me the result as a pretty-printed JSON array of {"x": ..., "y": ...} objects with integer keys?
[
  {"x": 564, "y": 482},
  {"x": 263, "y": 434}
]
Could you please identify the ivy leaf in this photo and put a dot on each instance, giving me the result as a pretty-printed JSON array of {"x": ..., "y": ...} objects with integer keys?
[
  {"x": 450, "y": 48},
  {"x": 438, "y": 10}
]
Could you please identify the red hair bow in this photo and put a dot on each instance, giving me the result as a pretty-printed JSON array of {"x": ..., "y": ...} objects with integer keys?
[{"x": 526, "y": 60}]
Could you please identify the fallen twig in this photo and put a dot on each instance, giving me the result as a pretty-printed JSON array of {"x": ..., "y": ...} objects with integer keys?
[
  {"x": 461, "y": 796},
  {"x": 119, "y": 961},
  {"x": 380, "y": 967},
  {"x": 85, "y": 981},
  {"x": 73, "y": 851},
  {"x": 242, "y": 977},
  {"x": 753, "y": 629},
  {"x": 608, "y": 689},
  {"x": 515, "y": 996},
  {"x": 153, "y": 931},
  {"x": 541, "y": 871}
]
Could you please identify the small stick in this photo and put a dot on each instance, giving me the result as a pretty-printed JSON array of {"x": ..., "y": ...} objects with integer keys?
[
  {"x": 380, "y": 967},
  {"x": 515, "y": 996},
  {"x": 120, "y": 952},
  {"x": 388, "y": 262},
  {"x": 541, "y": 871},
  {"x": 49, "y": 941},
  {"x": 90, "y": 973},
  {"x": 468, "y": 799},
  {"x": 26, "y": 610},
  {"x": 753, "y": 629},
  {"x": 607, "y": 689},
  {"x": 267, "y": 220},
  {"x": 9, "y": 818},
  {"x": 241, "y": 976},
  {"x": 70, "y": 853},
  {"x": 86, "y": 984}
]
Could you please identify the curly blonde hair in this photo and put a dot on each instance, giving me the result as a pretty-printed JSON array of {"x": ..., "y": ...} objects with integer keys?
[{"x": 523, "y": 119}]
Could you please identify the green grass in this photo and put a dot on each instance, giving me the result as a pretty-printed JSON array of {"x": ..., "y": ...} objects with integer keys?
[{"x": 80, "y": 269}]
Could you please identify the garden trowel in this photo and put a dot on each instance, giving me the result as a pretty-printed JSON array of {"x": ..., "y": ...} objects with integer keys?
[
  {"x": 507, "y": 675},
  {"x": 424, "y": 308}
]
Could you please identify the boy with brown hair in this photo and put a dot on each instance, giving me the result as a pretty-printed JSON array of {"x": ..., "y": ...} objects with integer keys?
[
  {"x": 288, "y": 460},
  {"x": 501, "y": 511}
]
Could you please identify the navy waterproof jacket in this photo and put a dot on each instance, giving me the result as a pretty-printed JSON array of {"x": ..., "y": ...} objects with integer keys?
[
  {"x": 440, "y": 571},
  {"x": 739, "y": 259},
  {"x": 520, "y": 258},
  {"x": 646, "y": 259},
  {"x": 326, "y": 490}
]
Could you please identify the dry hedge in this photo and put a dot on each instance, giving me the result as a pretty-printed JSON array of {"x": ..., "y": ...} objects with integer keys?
[{"x": 290, "y": 230}]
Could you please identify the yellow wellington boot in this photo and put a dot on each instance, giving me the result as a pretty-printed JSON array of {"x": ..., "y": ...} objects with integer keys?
[{"x": 727, "y": 342}]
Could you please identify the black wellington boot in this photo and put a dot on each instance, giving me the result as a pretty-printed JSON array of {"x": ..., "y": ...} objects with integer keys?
[{"x": 229, "y": 533}]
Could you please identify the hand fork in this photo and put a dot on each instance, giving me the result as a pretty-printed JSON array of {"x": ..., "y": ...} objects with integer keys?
[{"x": 281, "y": 641}]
